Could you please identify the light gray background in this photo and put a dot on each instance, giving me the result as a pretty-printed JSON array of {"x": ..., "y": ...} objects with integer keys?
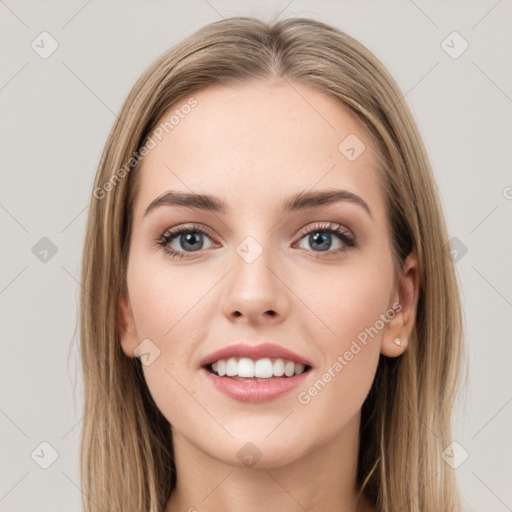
[{"x": 57, "y": 112}]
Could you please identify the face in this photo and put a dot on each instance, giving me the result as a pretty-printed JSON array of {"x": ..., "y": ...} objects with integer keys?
[{"x": 315, "y": 279}]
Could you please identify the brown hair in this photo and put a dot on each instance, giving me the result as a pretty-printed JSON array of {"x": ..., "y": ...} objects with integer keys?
[{"x": 126, "y": 447}]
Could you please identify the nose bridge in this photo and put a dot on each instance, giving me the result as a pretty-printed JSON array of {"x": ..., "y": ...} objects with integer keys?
[{"x": 254, "y": 290}]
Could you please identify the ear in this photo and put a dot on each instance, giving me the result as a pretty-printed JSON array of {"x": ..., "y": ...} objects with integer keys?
[
  {"x": 128, "y": 331},
  {"x": 398, "y": 330}
]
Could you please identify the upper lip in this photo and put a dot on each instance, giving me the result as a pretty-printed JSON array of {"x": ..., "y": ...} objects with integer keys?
[{"x": 254, "y": 352}]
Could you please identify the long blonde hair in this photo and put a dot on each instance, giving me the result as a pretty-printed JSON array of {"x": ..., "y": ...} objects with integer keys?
[{"x": 126, "y": 457}]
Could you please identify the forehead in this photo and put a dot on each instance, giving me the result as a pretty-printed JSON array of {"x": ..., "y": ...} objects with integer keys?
[{"x": 255, "y": 143}]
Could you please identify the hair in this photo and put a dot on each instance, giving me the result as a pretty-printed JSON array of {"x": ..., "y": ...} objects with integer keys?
[{"x": 126, "y": 452}]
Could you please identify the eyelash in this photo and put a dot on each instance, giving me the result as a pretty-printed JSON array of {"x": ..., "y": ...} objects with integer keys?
[{"x": 348, "y": 240}]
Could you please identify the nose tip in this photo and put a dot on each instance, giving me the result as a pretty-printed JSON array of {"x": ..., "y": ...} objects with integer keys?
[{"x": 255, "y": 292}]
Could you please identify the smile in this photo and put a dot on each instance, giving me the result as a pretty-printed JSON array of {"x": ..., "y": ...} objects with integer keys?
[
  {"x": 255, "y": 373},
  {"x": 260, "y": 370}
]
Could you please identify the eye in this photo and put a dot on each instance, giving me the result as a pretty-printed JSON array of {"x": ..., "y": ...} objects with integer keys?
[
  {"x": 179, "y": 241},
  {"x": 183, "y": 241},
  {"x": 320, "y": 238}
]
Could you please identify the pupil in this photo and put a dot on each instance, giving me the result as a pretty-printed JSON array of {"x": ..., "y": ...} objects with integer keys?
[{"x": 319, "y": 238}]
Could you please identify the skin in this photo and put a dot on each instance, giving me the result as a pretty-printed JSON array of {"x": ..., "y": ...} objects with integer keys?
[{"x": 252, "y": 146}]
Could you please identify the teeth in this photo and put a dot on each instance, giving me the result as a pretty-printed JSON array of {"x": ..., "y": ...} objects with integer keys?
[
  {"x": 278, "y": 368},
  {"x": 231, "y": 367},
  {"x": 260, "y": 369},
  {"x": 245, "y": 367},
  {"x": 299, "y": 368},
  {"x": 263, "y": 368},
  {"x": 289, "y": 369}
]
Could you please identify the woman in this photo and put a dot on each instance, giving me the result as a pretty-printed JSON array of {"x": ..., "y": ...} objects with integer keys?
[{"x": 270, "y": 318}]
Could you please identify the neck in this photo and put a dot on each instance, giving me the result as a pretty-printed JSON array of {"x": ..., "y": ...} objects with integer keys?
[{"x": 323, "y": 479}]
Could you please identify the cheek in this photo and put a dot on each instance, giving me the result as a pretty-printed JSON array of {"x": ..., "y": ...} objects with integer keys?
[
  {"x": 335, "y": 396},
  {"x": 168, "y": 302},
  {"x": 354, "y": 305},
  {"x": 173, "y": 311},
  {"x": 351, "y": 300}
]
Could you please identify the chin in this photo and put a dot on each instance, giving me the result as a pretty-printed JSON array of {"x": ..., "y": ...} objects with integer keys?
[{"x": 258, "y": 452}]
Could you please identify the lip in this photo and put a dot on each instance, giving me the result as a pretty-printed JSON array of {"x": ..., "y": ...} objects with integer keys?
[
  {"x": 253, "y": 391},
  {"x": 255, "y": 352}
]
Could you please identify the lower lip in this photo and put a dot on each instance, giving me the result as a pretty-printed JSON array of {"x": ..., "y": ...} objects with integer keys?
[{"x": 253, "y": 391}]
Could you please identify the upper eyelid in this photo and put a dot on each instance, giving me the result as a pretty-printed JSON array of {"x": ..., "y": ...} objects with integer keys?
[
  {"x": 189, "y": 228},
  {"x": 325, "y": 225}
]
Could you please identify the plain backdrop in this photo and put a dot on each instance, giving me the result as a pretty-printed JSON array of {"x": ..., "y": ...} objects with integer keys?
[{"x": 56, "y": 113}]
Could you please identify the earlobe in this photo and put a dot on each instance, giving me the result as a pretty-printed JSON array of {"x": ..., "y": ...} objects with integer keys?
[
  {"x": 393, "y": 346},
  {"x": 127, "y": 332},
  {"x": 398, "y": 331}
]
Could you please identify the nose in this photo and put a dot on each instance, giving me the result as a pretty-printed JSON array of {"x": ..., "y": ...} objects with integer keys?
[{"x": 256, "y": 292}]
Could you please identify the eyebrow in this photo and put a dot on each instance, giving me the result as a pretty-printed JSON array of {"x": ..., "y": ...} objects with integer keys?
[{"x": 295, "y": 202}]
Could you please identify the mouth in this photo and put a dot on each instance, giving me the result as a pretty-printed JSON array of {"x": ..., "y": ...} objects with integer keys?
[
  {"x": 255, "y": 373},
  {"x": 266, "y": 369}
]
